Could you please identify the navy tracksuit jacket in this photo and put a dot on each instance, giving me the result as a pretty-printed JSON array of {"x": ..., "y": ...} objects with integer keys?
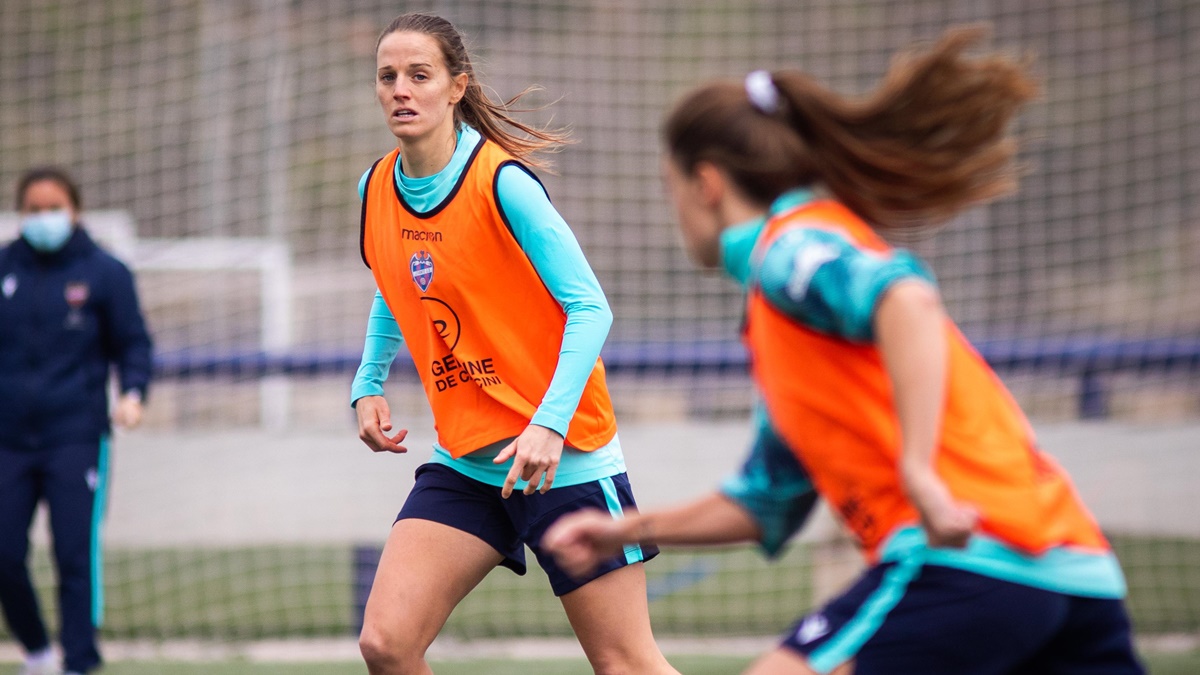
[{"x": 66, "y": 319}]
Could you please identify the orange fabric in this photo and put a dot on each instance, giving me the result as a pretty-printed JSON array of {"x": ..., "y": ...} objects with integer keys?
[
  {"x": 831, "y": 401},
  {"x": 481, "y": 327}
]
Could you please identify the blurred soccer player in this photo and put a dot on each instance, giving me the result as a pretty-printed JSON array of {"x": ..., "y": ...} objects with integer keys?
[
  {"x": 504, "y": 320},
  {"x": 982, "y": 558}
]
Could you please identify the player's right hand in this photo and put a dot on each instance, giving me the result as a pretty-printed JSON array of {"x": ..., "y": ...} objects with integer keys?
[
  {"x": 374, "y": 423},
  {"x": 128, "y": 411},
  {"x": 581, "y": 540},
  {"x": 948, "y": 523}
]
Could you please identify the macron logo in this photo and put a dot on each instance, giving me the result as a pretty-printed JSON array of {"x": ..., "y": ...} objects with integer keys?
[
  {"x": 805, "y": 265},
  {"x": 813, "y": 627}
]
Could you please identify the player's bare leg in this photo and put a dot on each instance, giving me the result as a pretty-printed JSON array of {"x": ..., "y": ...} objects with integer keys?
[
  {"x": 426, "y": 569},
  {"x": 610, "y": 616},
  {"x": 787, "y": 662}
]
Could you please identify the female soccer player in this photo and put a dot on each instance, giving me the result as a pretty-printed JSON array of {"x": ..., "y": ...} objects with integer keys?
[
  {"x": 982, "y": 558},
  {"x": 504, "y": 320}
]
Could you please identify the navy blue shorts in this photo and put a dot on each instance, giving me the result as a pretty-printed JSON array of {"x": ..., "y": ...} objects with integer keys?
[
  {"x": 445, "y": 496},
  {"x": 951, "y": 622}
]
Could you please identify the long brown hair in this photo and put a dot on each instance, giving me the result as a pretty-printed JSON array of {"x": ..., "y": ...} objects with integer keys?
[
  {"x": 930, "y": 141},
  {"x": 493, "y": 120}
]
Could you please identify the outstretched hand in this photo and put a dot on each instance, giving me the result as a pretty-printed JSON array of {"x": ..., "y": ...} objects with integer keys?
[
  {"x": 535, "y": 454},
  {"x": 374, "y": 423},
  {"x": 581, "y": 540}
]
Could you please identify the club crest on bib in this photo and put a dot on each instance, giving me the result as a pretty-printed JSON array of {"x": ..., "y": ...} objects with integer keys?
[{"x": 421, "y": 267}]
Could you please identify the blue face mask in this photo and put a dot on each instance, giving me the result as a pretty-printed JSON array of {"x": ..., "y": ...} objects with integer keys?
[{"x": 47, "y": 231}]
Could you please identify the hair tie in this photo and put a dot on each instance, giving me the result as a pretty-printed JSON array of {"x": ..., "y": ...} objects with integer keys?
[{"x": 763, "y": 93}]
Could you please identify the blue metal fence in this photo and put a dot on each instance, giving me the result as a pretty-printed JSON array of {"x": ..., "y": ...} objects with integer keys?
[{"x": 1090, "y": 360}]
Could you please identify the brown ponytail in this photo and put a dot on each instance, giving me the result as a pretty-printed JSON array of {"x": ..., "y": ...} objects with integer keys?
[
  {"x": 928, "y": 143},
  {"x": 493, "y": 120}
]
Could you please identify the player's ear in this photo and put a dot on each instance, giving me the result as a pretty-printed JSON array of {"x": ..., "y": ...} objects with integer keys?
[
  {"x": 459, "y": 89},
  {"x": 712, "y": 184}
]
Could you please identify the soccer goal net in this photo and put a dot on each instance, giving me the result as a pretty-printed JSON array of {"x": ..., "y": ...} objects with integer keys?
[{"x": 234, "y": 133}]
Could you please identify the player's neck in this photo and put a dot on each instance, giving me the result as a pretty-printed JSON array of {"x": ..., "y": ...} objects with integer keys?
[
  {"x": 736, "y": 209},
  {"x": 425, "y": 156}
]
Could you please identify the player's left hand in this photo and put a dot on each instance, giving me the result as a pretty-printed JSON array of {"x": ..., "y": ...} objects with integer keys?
[
  {"x": 535, "y": 454},
  {"x": 128, "y": 411}
]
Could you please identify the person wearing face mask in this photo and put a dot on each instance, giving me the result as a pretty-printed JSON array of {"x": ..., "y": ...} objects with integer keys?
[{"x": 68, "y": 316}]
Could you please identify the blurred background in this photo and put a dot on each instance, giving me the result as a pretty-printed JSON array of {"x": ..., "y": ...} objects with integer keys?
[{"x": 219, "y": 143}]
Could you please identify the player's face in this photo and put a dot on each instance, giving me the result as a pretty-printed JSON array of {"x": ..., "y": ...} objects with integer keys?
[
  {"x": 46, "y": 195},
  {"x": 698, "y": 221},
  {"x": 415, "y": 87}
]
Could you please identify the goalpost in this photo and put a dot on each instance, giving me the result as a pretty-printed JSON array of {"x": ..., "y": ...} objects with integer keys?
[{"x": 158, "y": 258}]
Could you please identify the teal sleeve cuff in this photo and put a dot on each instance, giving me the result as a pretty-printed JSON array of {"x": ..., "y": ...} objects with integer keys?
[
  {"x": 552, "y": 422},
  {"x": 555, "y": 253},
  {"x": 772, "y": 487},
  {"x": 379, "y": 350}
]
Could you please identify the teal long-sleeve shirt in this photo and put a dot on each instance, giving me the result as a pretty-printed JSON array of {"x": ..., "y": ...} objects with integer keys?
[{"x": 556, "y": 255}]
